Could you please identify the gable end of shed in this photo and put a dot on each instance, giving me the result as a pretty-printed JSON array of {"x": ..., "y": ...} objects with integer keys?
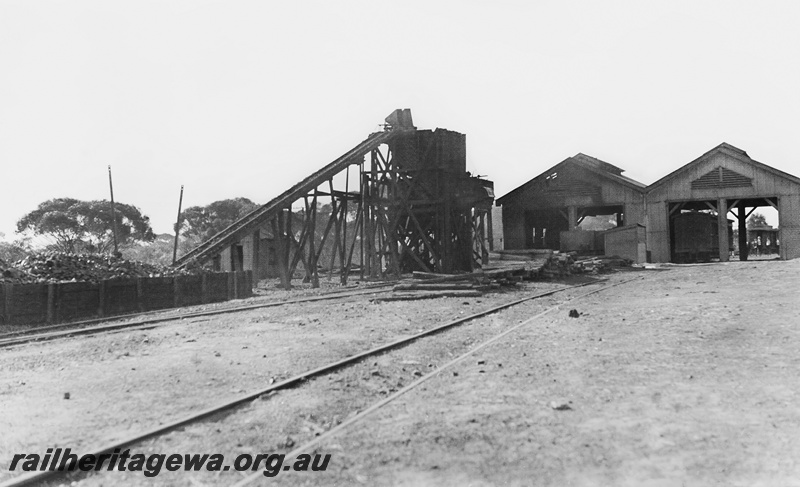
[{"x": 721, "y": 177}]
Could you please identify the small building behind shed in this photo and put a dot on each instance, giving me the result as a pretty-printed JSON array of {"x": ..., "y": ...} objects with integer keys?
[{"x": 764, "y": 240}]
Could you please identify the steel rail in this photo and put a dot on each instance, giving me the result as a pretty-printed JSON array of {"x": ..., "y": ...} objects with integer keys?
[
  {"x": 149, "y": 323},
  {"x": 39, "y": 476},
  {"x": 383, "y": 402}
]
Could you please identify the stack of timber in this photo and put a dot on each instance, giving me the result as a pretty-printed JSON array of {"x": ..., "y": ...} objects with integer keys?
[
  {"x": 552, "y": 264},
  {"x": 425, "y": 290},
  {"x": 530, "y": 264},
  {"x": 508, "y": 268},
  {"x": 600, "y": 264},
  {"x": 559, "y": 265},
  {"x": 427, "y": 285}
]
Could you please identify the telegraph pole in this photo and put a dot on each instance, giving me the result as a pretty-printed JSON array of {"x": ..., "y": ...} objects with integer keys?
[
  {"x": 113, "y": 212},
  {"x": 177, "y": 229}
]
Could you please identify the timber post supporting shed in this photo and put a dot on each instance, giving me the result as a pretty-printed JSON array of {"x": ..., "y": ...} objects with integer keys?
[
  {"x": 721, "y": 185},
  {"x": 538, "y": 213},
  {"x": 727, "y": 182}
]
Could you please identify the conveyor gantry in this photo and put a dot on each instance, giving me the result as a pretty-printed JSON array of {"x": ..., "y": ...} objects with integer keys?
[{"x": 415, "y": 208}]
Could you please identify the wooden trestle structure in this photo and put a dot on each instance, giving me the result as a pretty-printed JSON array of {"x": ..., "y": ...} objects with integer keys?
[{"x": 399, "y": 201}]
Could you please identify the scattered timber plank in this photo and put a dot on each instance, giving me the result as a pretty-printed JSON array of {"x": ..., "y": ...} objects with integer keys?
[
  {"x": 515, "y": 257},
  {"x": 432, "y": 278},
  {"x": 408, "y": 296},
  {"x": 425, "y": 275},
  {"x": 425, "y": 286},
  {"x": 525, "y": 251},
  {"x": 505, "y": 271}
]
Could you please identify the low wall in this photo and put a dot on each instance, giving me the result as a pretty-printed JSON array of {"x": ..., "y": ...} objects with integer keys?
[
  {"x": 628, "y": 242},
  {"x": 36, "y": 304},
  {"x": 581, "y": 241}
]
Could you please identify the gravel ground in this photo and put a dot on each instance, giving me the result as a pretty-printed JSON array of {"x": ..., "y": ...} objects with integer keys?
[
  {"x": 688, "y": 375},
  {"x": 127, "y": 382}
]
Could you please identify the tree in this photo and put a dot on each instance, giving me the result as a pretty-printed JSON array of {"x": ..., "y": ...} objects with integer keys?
[
  {"x": 756, "y": 220},
  {"x": 157, "y": 252},
  {"x": 13, "y": 251},
  {"x": 76, "y": 225},
  {"x": 200, "y": 223}
]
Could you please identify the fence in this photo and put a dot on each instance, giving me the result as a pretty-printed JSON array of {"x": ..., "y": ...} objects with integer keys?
[{"x": 35, "y": 304}]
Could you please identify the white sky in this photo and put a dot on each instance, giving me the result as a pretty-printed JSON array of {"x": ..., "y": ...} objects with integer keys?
[{"x": 245, "y": 98}]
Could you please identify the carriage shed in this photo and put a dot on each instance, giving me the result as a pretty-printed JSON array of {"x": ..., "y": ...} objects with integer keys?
[
  {"x": 550, "y": 206},
  {"x": 726, "y": 182}
]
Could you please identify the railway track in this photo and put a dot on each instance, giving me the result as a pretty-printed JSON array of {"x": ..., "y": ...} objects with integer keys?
[
  {"x": 40, "y": 476},
  {"x": 65, "y": 330}
]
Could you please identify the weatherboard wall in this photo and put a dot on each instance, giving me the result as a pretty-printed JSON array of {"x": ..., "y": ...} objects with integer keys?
[
  {"x": 574, "y": 186},
  {"x": 687, "y": 184},
  {"x": 722, "y": 176},
  {"x": 789, "y": 231}
]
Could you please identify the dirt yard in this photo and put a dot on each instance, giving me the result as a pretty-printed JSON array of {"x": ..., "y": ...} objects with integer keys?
[{"x": 688, "y": 375}]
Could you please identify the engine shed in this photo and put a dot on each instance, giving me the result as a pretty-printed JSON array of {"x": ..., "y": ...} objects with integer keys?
[
  {"x": 729, "y": 185},
  {"x": 546, "y": 211},
  {"x": 696, "y": 213}
]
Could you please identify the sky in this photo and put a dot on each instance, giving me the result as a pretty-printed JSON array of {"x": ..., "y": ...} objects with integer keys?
[{"x": 241, "y": 98}]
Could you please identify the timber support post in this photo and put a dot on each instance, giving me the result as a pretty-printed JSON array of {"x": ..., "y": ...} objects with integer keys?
[
  {"x": 744, "y": 250},
  {"x": 416, "y": 208},
  {"x": 722, "y": 223}
]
